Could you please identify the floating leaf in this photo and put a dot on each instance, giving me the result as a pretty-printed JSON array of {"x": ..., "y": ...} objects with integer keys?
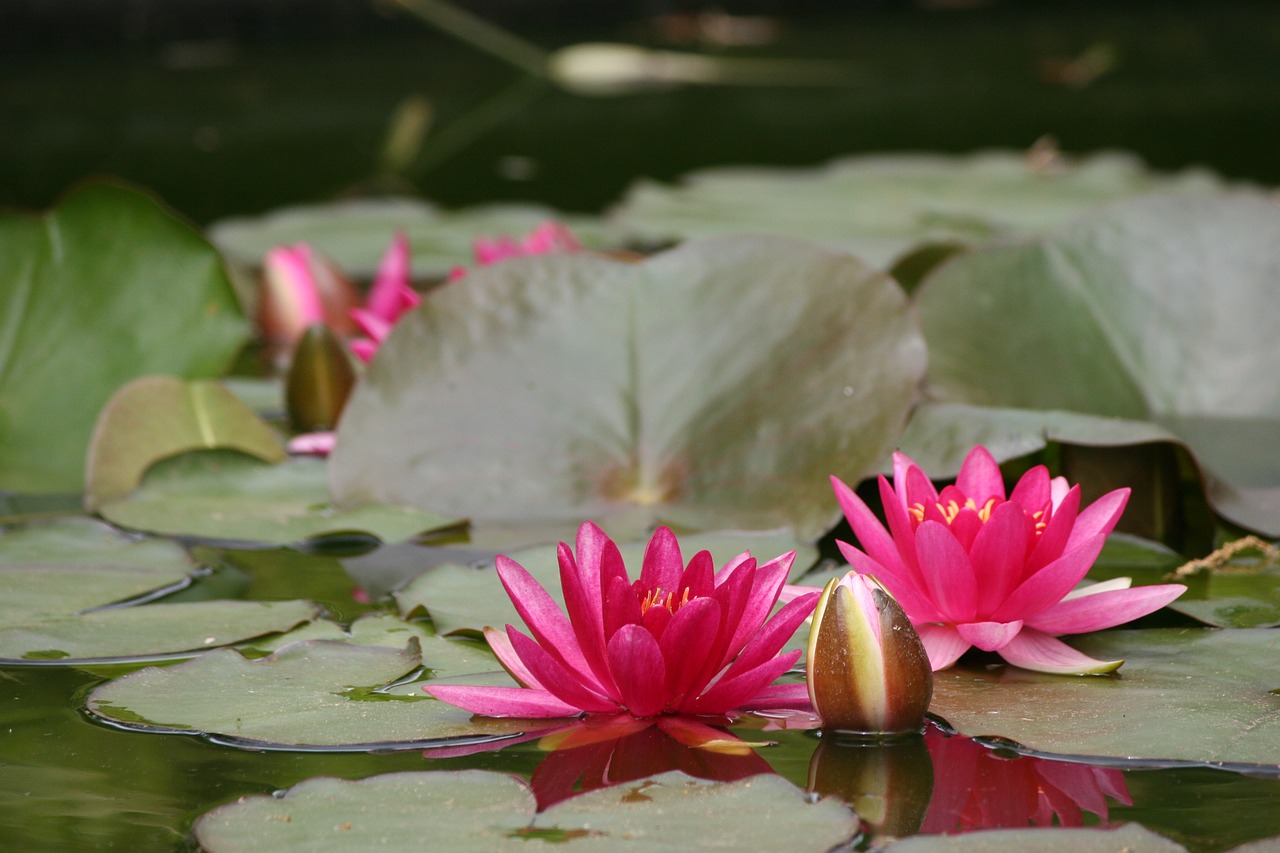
[
  {"x": 1158, "y": 311},
  {"x": 465, "y": 598},
  {"x": 1183, "y": 694},
  {"x": 155, "y": 417},
  {"x": 309, "y": 695},
  {"x": 474, "y": 810},
  {"x": 106, "y": 287},
  {"x": 354, "y": 234},
  {"x": 230, "y": 497},
  {"x": 148, "y": 631},
  {"x": 88, "y": 542},
  {"x": 38, "y": 591},
  {"x": 712, "y": 386},
  {"x": 879, "y": 207}
]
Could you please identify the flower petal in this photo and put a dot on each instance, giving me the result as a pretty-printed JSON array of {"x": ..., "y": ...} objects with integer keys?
[
  {"x": 699, "y": 735},
  {"x": 875, "y": 540},
  {"x": 1053, "y": 539},
  {"x": 728, "y": 694},
  {"x": 1039, "y": 652},
  {"x": 544, "y": 619},
  {"x": 989, "y": 636},
  {"x": 778, "y": 697},
  {"x": 567, "y": 685},
  {"x": 663, "y": 565},
  {"x": 766, "y": 585},
  {"x": 1049, "y": 585},
  {"x": 948, "y": 573},
  {"x": 770, "y": 639},
  {"x": 914, "y": 599},
  {"x": 943, "y": 644},
  {"x": 998, "y": 555},
  {"x": 1099, "y": 517},
  {"x": 1032, "y": 492},
  {"x": 684, "y": 643},
  {"x": 502, "y": 701},
  {"x": 584, "y": 607},
  {"x": 501, "y": 646},
  {"x": 979, "y": 476},
  {"x": 1104, "y": 609},
  {"x": 639, "y": 670}
]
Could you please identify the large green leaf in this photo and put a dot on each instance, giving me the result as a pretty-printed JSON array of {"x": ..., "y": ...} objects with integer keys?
[
  {"x": 106, "y": 287},
  {"x": 474, "y": 810},
  {"x": 87, "y": 542},
  {"x": 713, "y": 386},
  {"x": 1186, "y": 694},
  {"x": 37, "y": 591},
  {"x": 879, "y": 207},
  {"x": 354, "y": 234},
  {"x": 466, "y": 598},
  {"x": 155, "y": 417},
  {"x": 148, "y": 631},
  {"x": 230, "y": 497},
  {"x": 1159, "y": 310},
  {"x": 315, "y": 694}
]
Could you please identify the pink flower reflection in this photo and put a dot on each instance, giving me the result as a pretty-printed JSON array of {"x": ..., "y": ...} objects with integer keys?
[{"x": 977, "y": 788}]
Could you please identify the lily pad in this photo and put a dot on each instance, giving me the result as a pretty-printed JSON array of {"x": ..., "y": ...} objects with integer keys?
[
  {"x": 309, "y": 695},
  {"x": 474, "y": 810},
  {"x": 1195, "y": 694},
  {"x": 713, "y": 386},
  {"x": 34, "y": 592},
  {"x": 88, "y": 542},
  {"x": 147, "y": 631},
  {"x": 467, "y": 598},
  {"x": 881, "y": 206},
  {"x": 155, "y": 417},
  {"x": 106, "y": 287},
  {"x": 226, "y": 496},
  {"x": 1158, "y": 310},
  {"x": 354, "y": 234},
  {"x": 1130, "y": 838}
]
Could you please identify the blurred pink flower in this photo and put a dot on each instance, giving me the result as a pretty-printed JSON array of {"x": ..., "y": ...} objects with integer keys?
[
  {"x": 390, "y": 297},
  {"x": 548, "y": 238},
  {"x": 680, "y": 640},
  {"x": 974, "y": 568}
]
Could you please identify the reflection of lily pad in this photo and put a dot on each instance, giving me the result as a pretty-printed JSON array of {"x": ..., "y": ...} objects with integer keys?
[
  {"x": 148, "y": 630},
  {"x": 713, "y": 386},
  {"x": 354, "y": 234},
  {"x": 1159, "y": 311},
  {"x": 226, "y": 496},
  {"x": 1188, "y": 694},
  {"x": 106, "y": 287},
  {"x": 474, "y": 810},
  {"x": 312, "y": 695},
  {"x": 463, "y": 598},
  {"x": 878, "y": 207}
]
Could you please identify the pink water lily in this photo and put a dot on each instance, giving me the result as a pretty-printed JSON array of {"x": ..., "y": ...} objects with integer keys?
[
  {"x": 548, "y": 238},
  {"x": 390, "y": 297},
  {"x": 682, "y": 639},
  {"x": 974, "y": 568}
]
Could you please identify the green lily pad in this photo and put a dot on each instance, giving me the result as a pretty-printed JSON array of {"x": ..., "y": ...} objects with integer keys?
[
  {"x": 106, "y": 287},
  {"x": 230, "y": 497},
  {"x": 355, "y": 234},
  {"x": 315, "y": 694},
  {"x": 466, "y": 598},
  {"x": 475, "y": 810},
  {"x": 879, "y": 207},
  {"x": 713, "y": 386},
  {"x": 155, "y": 417},
  {"x": 37, "y": 591},
  {"x": 1193, "y": 694},
  {"x": 1159, "y": 310},
  {"x": 147, "y": 631},
  {"x": 1130, "y": 838},
  {"x": 88, "y": 542}
]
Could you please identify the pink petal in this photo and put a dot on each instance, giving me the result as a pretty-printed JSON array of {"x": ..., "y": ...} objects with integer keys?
[
  {"x": 291, "y": 284},
  {"x": 948, "y": 573},
  {"x": 765, "y": 587},
  {"x": 1032, "y": 492},
  {"x": 545, "y": 621},
  {"x": 372, "y": 325},
  {"x": 988, "y": 636},
  {"x": 500, "y": 645},
  {"x": 1041, "y": 653},
  {"x": 901, "y": 463},
  {"x": 770, "y": 639},
  {"x": 920, "y": 489},
  {"x": 698, "y": 735},
  {"x": 1053, "y": 539},
  {"x": 777, "y": 697},
  {"x": 1049, "y": 585},
  {"x": 639, "y": 670},
  {"x": 313, "y": 443},
  {"x": 663, "y": 565},
  {"x": 584, "y": 608},
  {"x": 872, "y": 535},
  {"x": 943, "y": 643},
  {"x": 566, "y": 684},
  {"x": 1104, "y": 609},
  {"x": 685, "y": 642},
  {"x": 621, "y": 606},
  {"x": 729, "y": 694},
  {"x": 1099, "y": 517},
  {"x": 997, "y": 556},
  {"x": 979, "y": 476},
  {"x": 903, "y": 530},
  {"x": 502, "y": 701},
  {"x": 363, "y": 349},
  {"x": 386, "y": 299},
  {"x": 700, "y": 576},
  {"x": 914, "y": 600}
]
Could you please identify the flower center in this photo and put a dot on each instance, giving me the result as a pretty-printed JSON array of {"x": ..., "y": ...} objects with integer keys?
[
  {"x": 951, "y": 508},
  {"x": 657, "y": 598}
]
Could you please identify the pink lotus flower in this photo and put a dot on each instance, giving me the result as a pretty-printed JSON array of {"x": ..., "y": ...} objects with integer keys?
[
  {"x": 548, "y": 238},
  {"x": 390, "y": 297},
  {"x": 972, "y": 568},
  {"x": 680, "y": 640}
]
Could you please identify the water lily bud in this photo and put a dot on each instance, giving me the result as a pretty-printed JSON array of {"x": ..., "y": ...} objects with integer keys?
[
  {"x": 319, "y": 380},
  {"x": 888, "y": 783},
  {"x": 868, "y": 670},
  {"x": 300, "y": 287}
]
